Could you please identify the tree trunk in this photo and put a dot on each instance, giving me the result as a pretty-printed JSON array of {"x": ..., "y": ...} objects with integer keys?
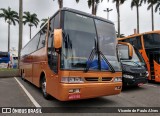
[
  {"x": 118, "y": 12},
  {"x": 60, "y": 4},
  {"x": 30, "y": 31},
  {"x": 9, "y": 36},
  {"x": 93, "y": 7},
  {"x": 152, "y": 18},
  {"x": 137, "y": 19},
  {"x": 20, "y": 30}
]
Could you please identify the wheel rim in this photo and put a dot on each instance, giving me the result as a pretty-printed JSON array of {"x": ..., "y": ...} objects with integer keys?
[{"x": 44, "y": 86}]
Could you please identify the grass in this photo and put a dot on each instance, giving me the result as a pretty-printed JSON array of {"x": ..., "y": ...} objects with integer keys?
[{"x": 7, "y": 69}]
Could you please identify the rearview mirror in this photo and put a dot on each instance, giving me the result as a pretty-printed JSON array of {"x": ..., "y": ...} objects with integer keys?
[
  {"x": 125, "y": 51},
  {"x": 57, "y": 38}
]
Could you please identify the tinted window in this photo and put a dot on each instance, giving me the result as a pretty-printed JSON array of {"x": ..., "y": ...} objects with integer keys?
[
  {"x": 107, "y": 41},
  {"x": 52, "y": 55},
  {"x": 136, "y": 41},
  {"x": 31, "y": 46},
  {"x": 152, "y": 40},
  {"x": 79, "y": 40},
  {"x": 57, "y": 21},
  {"x": 42, "y": 37}
]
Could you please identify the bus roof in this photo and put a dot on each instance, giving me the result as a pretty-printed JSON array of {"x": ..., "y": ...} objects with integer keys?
[
  {"x": 86, "y": 14},
  {"x": 139, "y": 34}
]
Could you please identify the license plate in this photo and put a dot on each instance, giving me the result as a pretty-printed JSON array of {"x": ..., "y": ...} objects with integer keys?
[{"x": 74, "y": 96}]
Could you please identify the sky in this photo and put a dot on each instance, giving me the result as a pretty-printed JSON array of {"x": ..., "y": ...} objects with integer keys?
[{"x": 46, "y": 8}]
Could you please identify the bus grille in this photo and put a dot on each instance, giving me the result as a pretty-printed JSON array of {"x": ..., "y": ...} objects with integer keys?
[
  {"x": 137, "y": 70},
  {"x": 140, "y": 75},
  {"x": 98, "y": 79}
]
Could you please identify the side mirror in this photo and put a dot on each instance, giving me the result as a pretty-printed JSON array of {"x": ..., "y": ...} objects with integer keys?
[
  {"x": 125, "y": 51},
  {"x": 57, "y": 38}
]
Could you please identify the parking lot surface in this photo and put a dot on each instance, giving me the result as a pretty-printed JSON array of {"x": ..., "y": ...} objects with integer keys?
[{"x": 12, "y": 94}]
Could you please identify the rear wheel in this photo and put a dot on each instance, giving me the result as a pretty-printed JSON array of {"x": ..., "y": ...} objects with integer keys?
[{"x": 43, "y": 87}]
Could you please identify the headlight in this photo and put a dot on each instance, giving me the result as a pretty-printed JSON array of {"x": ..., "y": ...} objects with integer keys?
[
  {"x": 72, "y": 80},
  {"x": 147, "y": 73},
  {"x": 128, "y": 76},
  {"x": 117, "y": 79}
]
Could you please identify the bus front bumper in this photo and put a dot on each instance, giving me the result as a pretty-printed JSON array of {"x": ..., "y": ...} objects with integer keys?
[
  {"x": 134, "y": 82},
  {"x": 87, "y": 90}
]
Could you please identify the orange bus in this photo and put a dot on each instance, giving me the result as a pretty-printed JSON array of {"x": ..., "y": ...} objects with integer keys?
[
  {"x": 72, "y": 57},
  {"x": 149, "y": 46}
]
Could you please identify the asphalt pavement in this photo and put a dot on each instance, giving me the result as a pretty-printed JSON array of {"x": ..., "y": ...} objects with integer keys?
[{"x": 13, "y": 95}]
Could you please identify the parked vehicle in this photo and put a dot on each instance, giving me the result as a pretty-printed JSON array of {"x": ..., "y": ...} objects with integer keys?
[
  {"x": 4, "y": 59},
  {"x": 148, "y": 44},
  {"x": 62, "y": 56},
  {"x": 134, "y": 67}
]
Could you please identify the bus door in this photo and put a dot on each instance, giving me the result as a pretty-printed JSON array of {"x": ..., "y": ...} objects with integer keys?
[{"x": 152, "y": 57}]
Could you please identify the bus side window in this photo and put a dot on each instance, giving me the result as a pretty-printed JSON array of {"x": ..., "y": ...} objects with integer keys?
[
  {"x": 52, "y": 55},
  {"x": 42, "y": 37}
]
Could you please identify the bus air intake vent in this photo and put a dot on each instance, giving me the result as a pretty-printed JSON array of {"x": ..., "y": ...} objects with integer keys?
[
  {"x": 106, "y": 78},
  {"x": 98, "y": 79},
  {"x": 91, "y": 78}
]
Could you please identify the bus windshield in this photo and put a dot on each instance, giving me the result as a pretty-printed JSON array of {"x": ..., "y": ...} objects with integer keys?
[
  {"x": 136, "y": 60},
  {"x": 80, "y": 37}
]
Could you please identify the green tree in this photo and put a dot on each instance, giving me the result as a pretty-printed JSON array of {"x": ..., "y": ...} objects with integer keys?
[
  {"x": 157, "y": 6},
  {"x": 11, "y": 17},
  {"x": 118, "y": 3},
  {"x": 151, "y": 4},
  {"x": 31, "y": 19},
  {"x": 137, "y": 4},
  {"x": 93, "y": 4},
  {"x": 43, "y": 21},
  {"x": 20, "y": 29}
]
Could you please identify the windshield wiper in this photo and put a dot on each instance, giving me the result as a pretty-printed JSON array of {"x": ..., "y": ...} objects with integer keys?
[
  {"x": 91, "y": 56},
  {"x": 109, "y": 64},
  {"x": 132, "y": 62},
  {"x": 90, "y": 59}
]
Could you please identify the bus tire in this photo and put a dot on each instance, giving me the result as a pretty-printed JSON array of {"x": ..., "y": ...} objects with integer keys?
[{"x": 43, "y": 87}]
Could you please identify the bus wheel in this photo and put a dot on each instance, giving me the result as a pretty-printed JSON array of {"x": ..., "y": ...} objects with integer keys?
[{"x": 43, "y": 87}]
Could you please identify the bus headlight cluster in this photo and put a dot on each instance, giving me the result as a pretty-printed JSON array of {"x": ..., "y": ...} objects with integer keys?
[
  {"x": 128, "y": 76},
  {"x": 117, "y": 79},
  {"x": 72, "y": 80}
]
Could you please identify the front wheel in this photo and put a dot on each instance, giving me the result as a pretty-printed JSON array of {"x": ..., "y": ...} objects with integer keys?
[{"x": 43, "y": 87}]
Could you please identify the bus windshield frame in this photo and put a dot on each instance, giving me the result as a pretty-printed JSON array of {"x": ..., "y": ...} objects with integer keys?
[{"x": 82, "y": 34}]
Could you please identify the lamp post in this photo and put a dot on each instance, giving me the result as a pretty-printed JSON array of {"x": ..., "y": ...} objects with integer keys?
[{"x": 107, "y": 10}]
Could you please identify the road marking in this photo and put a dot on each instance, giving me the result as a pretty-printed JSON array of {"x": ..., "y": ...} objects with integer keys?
[
  {"x": 151, "y": 85},
  {"x": 28, "y": 94}
]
